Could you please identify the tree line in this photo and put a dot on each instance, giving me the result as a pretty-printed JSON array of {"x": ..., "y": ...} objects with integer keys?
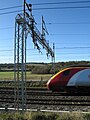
[{"x": 44, "y": 68}]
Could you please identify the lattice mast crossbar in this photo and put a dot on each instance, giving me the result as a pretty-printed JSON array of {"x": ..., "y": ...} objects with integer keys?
[{"x": 24, "y": 25}]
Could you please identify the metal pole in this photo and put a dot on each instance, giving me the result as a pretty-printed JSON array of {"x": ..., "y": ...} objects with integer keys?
[
  {"x": 18, "y": 69},
  {"x": 53, "y": 59},
  {"x": 22, "y": 61},
  {"x": 15, "y": 68},
  {"x": 25, "y": 69}
]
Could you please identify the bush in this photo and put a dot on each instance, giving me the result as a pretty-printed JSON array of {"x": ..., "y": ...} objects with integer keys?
[
  {"x": 52, "y": 116},
  {"x": 71, "y": 116},
  {"x": 87, "y": 116},
  {"x": 41, "y": 70},
  {"x": 38, "y": 116}
]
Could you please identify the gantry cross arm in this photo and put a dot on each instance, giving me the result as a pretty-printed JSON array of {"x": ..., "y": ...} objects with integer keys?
[{"x": 37, "y": 37}]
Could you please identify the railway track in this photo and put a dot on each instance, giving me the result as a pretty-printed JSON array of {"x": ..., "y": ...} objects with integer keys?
[{"x": 38, "y": 97}]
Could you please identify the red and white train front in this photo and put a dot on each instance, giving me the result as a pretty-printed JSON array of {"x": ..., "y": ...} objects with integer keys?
[{"x": 73, "y": 77}]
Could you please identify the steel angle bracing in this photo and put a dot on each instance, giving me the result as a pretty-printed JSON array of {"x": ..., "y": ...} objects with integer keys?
[
  {"x": 20, "y": 63},
  {"x": 24, "y": 25}
]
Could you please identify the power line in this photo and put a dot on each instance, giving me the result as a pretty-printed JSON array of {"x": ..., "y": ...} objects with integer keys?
[
  {"x": 74, "y": 2},
  {"x": 74, "y": 48},
  {"x": 70, "y": 53},
  {"x": 3, "y": 28},
  {"x": 7, "y": 39},
  {"x": 68, "y": 34},
  {"x": 51, "y": 23},
  {"x": 70, "y": 43},
  {"x": 11, "y": 27},
  {"x": 43, "y": 54},
  {"x": 7, "y": 50},
  {"x": 2, "y": 50},
  {"x": 68, "y": 23},
  {"x": 48, "y": 3},
  {"x": 51, "y": 34},
  {"x": 7, "y": 8},
  {"x": 57, "y": 8},
  {"x": 5, "y": 13},
  {"x": 46, "y": 8}
]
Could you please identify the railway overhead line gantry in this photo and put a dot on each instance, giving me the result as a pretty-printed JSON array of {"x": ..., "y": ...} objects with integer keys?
[{"x": 24, "y": 25}]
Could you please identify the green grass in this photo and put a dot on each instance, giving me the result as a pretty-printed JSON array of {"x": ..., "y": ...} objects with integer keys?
[
  {"x": 10, "y": 76},
  {"x": 6, "y": 75},
  {"x": 44, "y": 116}
]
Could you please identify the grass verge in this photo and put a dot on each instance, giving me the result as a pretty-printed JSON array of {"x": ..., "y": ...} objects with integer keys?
[
  {"x": 29, "y": 76},
  {"x": 44, "y": 116}
]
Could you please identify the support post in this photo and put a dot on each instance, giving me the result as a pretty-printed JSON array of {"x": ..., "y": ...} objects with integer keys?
[{"x": 20, "y": 62}]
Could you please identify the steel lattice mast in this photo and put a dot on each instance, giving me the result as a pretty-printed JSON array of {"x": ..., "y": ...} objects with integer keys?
[{"x": 24, "y": 25}]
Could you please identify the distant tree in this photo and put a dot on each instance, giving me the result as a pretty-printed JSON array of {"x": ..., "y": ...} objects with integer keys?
[{"x": 41, "y": 70}]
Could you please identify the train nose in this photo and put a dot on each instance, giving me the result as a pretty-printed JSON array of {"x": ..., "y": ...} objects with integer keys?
[
  {"x": 51, "y": 84},
  {"x": 48, "y": 84}
]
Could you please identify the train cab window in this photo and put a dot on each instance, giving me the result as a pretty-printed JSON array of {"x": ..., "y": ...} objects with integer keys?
[{"x": 66, "y": 72}]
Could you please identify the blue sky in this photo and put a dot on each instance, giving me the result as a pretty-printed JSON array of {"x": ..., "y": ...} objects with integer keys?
[{"x": 68, "y": 28}]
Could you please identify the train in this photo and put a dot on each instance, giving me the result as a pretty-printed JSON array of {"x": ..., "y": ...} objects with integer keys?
[{"x": 71, "y": 80}]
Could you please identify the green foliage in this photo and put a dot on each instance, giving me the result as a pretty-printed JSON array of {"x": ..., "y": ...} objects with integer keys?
[
  {"x": 52, "y": 116},
  {"x": 41, "y": 70},
  {"x": 87, "y": 116},
  {"x": 38, "y": 116},
  {"x": 44, "y": 68},
  {"x": 12, "y": 116},
  {"x": 44, "y": 116},
  {"x": 71, "y": 116},
  {"x": 6, "y": 75}
]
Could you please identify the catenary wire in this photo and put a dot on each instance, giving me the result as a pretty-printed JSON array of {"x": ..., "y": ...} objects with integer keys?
[
  {"x": 69, "y": 2},
  {"x": 48, "y": 3},
  {"x": 55, "y": 48},
  {"x": 47, "y": 8},
  {"x": 7, "y": 8},
  {"x": 57, "y": 8}
]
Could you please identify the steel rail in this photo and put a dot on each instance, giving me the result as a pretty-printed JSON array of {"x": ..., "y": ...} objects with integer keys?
[{"x": 42, "y": 97}]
